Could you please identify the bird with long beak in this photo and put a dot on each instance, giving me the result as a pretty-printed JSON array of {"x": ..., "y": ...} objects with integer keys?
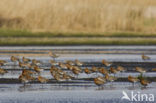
[
  {"x": 140, "y": 69},
  {"x": 78, "y": 63},
  {"x": 144, "y": 57},
  {"x": 106, "y": 63},
  {"x": 132, "y": 79}
]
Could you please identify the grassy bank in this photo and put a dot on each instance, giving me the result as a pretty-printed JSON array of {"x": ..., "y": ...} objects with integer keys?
[
  {"x": 76, "y": 41},
  {"x": 25, "y": 33},
  {"x": 79, "y": 16}
]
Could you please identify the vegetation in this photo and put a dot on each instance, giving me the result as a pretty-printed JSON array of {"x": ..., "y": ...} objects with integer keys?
[{"x": 79, "y": 16}]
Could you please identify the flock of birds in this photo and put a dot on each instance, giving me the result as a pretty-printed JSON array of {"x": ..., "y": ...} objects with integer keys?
[{"x": 32, "y": 72}]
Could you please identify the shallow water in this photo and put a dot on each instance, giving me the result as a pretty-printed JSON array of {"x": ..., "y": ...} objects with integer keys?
[{"x": 80, "y": 91}]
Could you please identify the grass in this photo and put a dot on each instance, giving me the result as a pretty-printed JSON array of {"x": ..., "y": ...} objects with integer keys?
[
  {"x": 25, "y": 33},
  {"x": 76, "y": 41},
  {"x": 79, "y": 16}
]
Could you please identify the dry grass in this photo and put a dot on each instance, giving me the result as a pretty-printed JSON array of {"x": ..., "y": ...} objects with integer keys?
[{"x": 91, "y": 16}]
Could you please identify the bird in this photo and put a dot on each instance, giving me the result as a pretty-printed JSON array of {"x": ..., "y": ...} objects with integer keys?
[
  {"x": 52, "y": 62},
  {"x": 99, "y": 80},
  {"x": 42, "y": 79},
  {"x": 70, "y": 62},
  {"x": 53, "y": 55},
  {"x": 110, "y": 78},
  {"x": 132, "y": 79},
  {"x": 140, "y": 69},
  {"x": 144, "y": 82},
  {"x": 87, "y": 71},
  {"x": 94, "y": 69},
  {"x": 2, "y": 62},
  {"x": 25, "y": 65},
  {"x": 78, "y": 63},
  {"x": 106, "y": 63},
  {"x": 36, "y": 62},
  {"x": 3, "y": 71},
  {"x": 113, "y": 70},
  {"x": 76, "y": 70},
  {"x": 103, "y": 71},
  {"x": 120, "y": 69},
  {"x": 62, "y": 65},
  {"x": 25, "y": 60},
  {"x": 14, "y": 59},
  {"x": 144, "y": 57},
  {"x": 37, "y": 69}
]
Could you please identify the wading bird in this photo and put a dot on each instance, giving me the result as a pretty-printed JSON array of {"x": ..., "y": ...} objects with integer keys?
[
  {"x": 53, "y": 55},
  {"x": 78, "y": 63},
  {"x": 144, "y": 57},
  {"x": 140, "y": 69},
  {"x": 132, "y": 79},
  {"x": 106, "y": 63},
  {"x": 99, "y": 81}
]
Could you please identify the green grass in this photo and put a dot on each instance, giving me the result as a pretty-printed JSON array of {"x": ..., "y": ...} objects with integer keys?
[
  {"x": 76, "y": 41},
  {"x": 25, "y": 33}
]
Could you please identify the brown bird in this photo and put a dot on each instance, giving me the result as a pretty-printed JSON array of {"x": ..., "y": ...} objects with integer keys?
[
  {"x": 113, "y": 70},
  {"x": 103, "y": 71},
  {"x": 120, "y": 69},
  {"x": 110, "y": 78},
  {"x": 3, "y": 71},
  {"x": 25, "y": 60},
  {"x": 62, "y": 65},
  {"x": 42, "y": 79},
  {"x": 53, "y": 55},
  {"x": 25, "y": 65},
  {"x": 54, "y": 63},
  {"x": 99, "y": 81},
  {"x": 14, "y": 59},
  {"x": 144, "y": 57},
  {"x": 76, "y": 70},
  {"x": 140, "y": 70},
  {"x": 106, "y": 63},
  {"x": 36, "y": 62},
  {"x": 132, "y": 79},
  {"x": 144, "y": 82},
  {"x": 2, "y": 62},
  {"x": 87, "y": 71},
  {"x": 70, "y": 62},
  {"x": 78, "y": 63},
  {"x": 37, "y": 69},
  {"x": 94, "y": 69},
  {"x": 70, "y": 67}
]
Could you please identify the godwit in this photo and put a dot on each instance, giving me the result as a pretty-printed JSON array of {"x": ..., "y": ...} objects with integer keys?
[
  {"x": 103, "y": 71},
  {"x": 54, "y": 63},
  {"x": 53, "y": 55},
  {"x": 99, "y": 81},
  {"x": 36, "y": 62},
  {"x": 94, "y": 69},
  {"x": 78, "y": 63},
  {"x": 106, "y": 63},
  {"x": 144, "y": 57},
  {"x": 132, "y": 79},
  {"x": 110, "y": 78},
  {"x": 2, "y": 62},
  {"x": 25, "y": 65},
  {"x": 70, "y": 62},
  {"x": 76, "y": 70},
  {"x": 140, "y": 69},
  {"x": 2, "y": 71},
  {"x": 144, "y": 82},
  {"x": 87, "y": 71},
  {"x": 62, "y": 65},
  {"x": 113, "y": 70},
  {"x": 70, "y": 67},
  {"x": 42, "y": 80},
  {"x": 25, "y": 60},
  {"x": 37, "y": 69},
  {"x": 121, "y": 69}
]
